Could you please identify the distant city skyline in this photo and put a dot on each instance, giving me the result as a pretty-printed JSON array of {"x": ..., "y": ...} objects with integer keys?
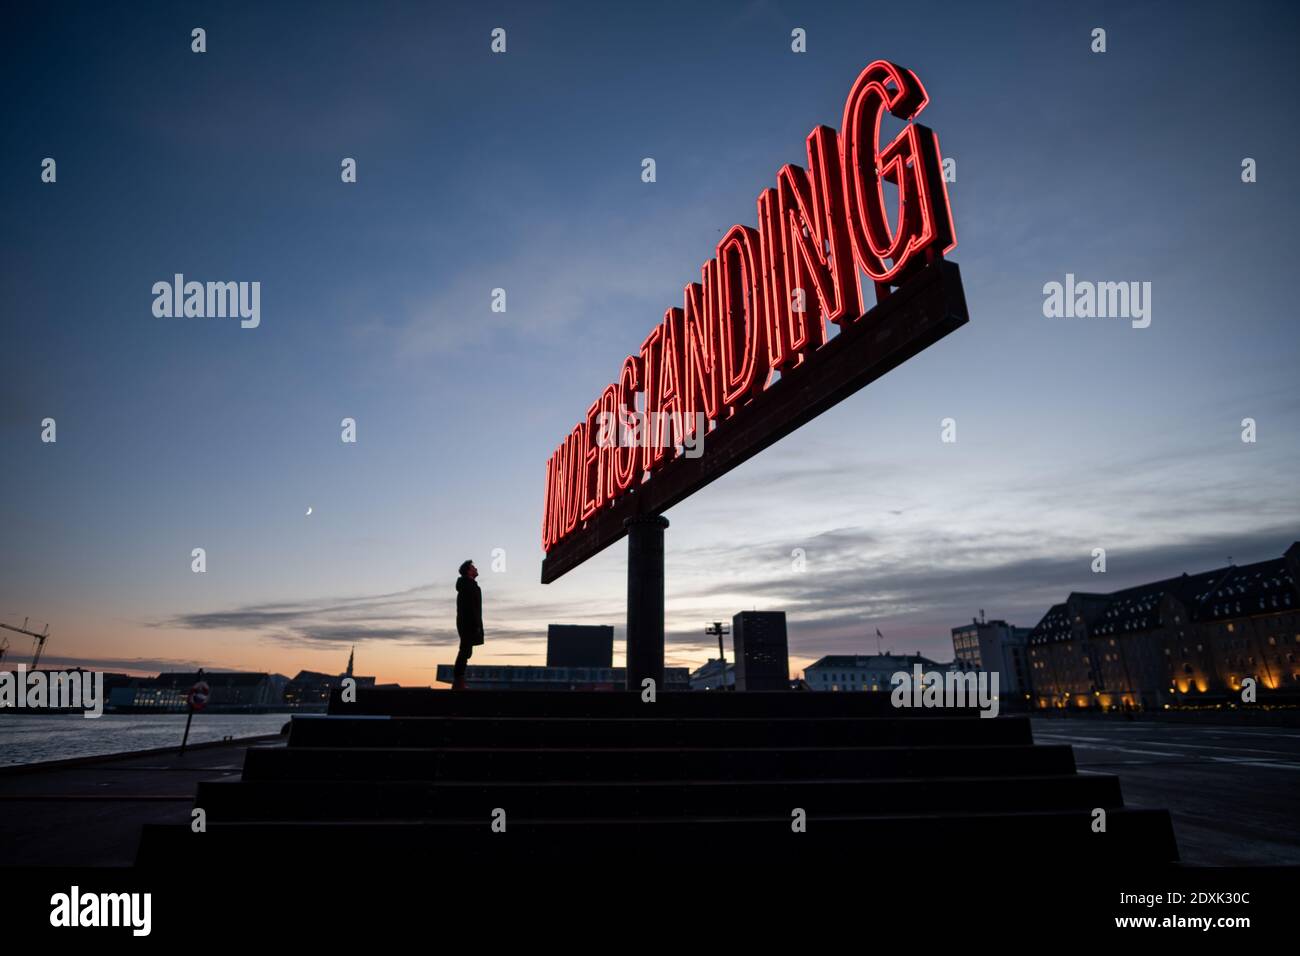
[{"x": 521, "y": 171}]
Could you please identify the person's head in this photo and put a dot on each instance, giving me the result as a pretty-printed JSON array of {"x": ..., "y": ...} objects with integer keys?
[{"x": 467, "y": 570}]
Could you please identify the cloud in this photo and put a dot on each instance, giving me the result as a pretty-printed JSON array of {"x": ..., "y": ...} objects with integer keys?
[
  {"x": 132, "y": 665},
  {"x": 941, "y": 580},
  {"x": 565, "y": 276},
  {"x": 914, "y": 586},
  {"x": 420, "y": 616}
]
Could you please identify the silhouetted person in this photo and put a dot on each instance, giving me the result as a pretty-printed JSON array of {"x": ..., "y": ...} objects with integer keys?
[{"x": 469, "y": 619}]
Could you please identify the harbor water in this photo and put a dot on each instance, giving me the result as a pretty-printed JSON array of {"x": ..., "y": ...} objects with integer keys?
[{"x": 32, "y": 738}]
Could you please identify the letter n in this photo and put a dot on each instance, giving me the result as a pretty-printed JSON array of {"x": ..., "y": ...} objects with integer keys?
[
  {"x": 818, "y": 249},
  {"x": 574, "y": 448}
]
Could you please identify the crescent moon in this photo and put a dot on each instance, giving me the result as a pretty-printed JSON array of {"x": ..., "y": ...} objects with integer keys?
[{"x": 309, "y": 509}]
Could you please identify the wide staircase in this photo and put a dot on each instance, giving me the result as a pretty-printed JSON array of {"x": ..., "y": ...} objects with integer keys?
[{"x": 546, "y": 775}]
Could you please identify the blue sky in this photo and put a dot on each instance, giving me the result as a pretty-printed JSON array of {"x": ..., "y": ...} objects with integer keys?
[{"x": 522, "y": 171}]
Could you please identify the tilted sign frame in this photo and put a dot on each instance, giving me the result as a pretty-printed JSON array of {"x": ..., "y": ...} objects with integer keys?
[{"x": 912, "y": 317}]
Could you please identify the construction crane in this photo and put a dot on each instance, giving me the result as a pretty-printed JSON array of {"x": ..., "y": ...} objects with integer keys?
[
  {"x": 4, "y": 646},
  {"x": 40, "y": 636}
]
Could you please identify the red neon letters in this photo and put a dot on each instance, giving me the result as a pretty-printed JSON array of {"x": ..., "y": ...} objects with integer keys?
[{"x": 764, "y": 298}]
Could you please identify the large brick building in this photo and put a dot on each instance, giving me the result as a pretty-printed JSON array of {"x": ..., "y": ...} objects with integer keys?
[{"x": 1189, "y": 640}]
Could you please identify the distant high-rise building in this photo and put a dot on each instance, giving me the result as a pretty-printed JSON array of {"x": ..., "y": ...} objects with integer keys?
[
  {"x": 995, "y": 646},
  {"x": 762, "y": 652},
  {"x": 579, "y": 645}
]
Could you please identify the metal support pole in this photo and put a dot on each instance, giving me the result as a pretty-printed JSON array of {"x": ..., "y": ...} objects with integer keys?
[
  {"x": 721, "y": 630},
  {"x": 645, "y": 600}
]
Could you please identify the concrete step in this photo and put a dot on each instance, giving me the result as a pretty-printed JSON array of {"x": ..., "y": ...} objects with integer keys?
[
  {"x": 951, "y": 841},
  {"x": 475, "y": 800},
  {"x": 670, "y": 763},
  {"x": 647, "y": 731},
  {"x": 427, "y": 702},
  {"x": 406, "y": 775}
]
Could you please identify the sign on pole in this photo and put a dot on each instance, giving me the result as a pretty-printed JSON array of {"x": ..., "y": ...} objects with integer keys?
[
  {"x": 197, "y": 699},
  {"x": 748, "y": 357},
  {"x": 199, "y": 694}
]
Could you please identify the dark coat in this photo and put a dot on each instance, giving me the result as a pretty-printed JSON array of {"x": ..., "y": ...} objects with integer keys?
[{"x": 469, "y": 610}]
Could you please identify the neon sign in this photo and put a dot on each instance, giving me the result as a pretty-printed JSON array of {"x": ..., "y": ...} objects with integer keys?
[{"x": 759, "y": 317}]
